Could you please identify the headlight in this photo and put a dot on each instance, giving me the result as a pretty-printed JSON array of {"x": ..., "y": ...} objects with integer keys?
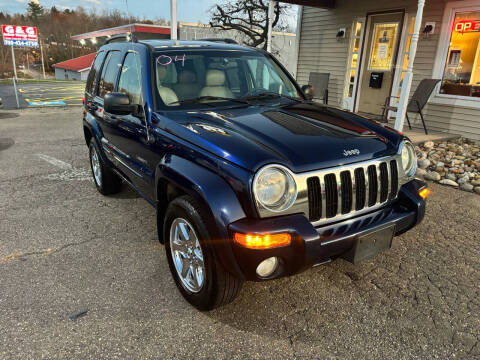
[
  {"x": 274, "y": 188},
  {"x": 409, "y": 158}
]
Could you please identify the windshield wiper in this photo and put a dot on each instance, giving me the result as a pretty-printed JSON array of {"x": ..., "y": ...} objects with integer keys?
[
  {"x": 203, "y": 98},
  {"x": 269, "y": 94}
]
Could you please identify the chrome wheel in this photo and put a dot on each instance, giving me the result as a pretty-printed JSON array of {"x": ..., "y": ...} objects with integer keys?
[
  {"x": 187, "y": 255},
  {"x": 96, "y": 167}
]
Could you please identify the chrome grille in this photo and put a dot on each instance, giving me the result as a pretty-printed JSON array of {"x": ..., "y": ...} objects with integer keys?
[{"x": 357, "y": 188}]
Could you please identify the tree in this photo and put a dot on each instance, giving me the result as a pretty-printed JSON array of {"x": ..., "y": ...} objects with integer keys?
[
  {"x": 34, "y": 11},
  {"x": 249, "y": 17}
]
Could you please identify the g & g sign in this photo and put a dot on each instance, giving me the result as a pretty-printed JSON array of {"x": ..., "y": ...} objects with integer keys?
[{"x": 20, "y": 35}]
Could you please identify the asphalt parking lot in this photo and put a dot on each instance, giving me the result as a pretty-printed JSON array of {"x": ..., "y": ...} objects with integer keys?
[
  {"x": 43, "y": 94},
  {"x": 83, "y": 276}
]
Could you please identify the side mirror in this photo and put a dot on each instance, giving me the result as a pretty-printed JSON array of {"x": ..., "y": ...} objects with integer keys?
[
  {"x": 118, "y": 104},
  {"x": 309, "y": 91}
]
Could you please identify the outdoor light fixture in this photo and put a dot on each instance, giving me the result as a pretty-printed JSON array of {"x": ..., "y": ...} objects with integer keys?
[
  {"x": 266, "y": 241},
  {"x": 93, "y": 40},
  {"x": 341, "y": 33},
  {"x": 82, "y": 41}
]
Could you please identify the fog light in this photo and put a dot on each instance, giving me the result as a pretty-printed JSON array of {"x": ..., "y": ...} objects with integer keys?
[
  {"x": 424, "y": 193},
  {"x": 267, "y": 267}
]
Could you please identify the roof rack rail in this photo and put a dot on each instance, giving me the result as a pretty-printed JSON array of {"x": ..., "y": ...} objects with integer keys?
[
  {"x": 127, "y": 37},
  {"x": 224, "y": 40}
]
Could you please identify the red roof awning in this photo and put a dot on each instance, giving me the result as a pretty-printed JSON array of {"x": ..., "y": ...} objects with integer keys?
[
  {"x": 77, "y": 64},
  {"x": 130, "y": 28}
]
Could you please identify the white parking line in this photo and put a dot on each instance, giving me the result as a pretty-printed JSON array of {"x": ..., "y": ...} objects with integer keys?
[
  {"x": 69, "y": 173},
  {"x": 55, "y": 162}
]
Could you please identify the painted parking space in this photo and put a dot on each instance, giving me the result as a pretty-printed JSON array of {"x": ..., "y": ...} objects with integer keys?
[{"x": 52, "y": 93}]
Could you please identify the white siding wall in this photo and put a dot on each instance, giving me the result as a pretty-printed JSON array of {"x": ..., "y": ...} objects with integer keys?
[
  {"x": 320, "y": 51},
  {"x": 63, "y": 74}
]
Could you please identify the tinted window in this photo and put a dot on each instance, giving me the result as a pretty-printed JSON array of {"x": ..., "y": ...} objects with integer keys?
[
  {"x": 93, "y": 72},
  {"x": 109, "y": 73},
  {"x": 130, "y": 78}
]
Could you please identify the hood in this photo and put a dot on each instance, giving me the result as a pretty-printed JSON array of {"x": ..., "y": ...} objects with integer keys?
[{"x": 302, "y": 137}]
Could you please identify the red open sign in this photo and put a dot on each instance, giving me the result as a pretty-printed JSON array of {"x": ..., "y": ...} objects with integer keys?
[{"x": 464, "y": 26}]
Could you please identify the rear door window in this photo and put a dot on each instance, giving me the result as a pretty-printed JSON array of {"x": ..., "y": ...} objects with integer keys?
[
  {"x": 92, "y": 75},
  {"x": 109, "y": 73}
]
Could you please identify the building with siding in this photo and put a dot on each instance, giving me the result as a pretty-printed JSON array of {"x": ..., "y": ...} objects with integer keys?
[
  {"x": 376, "y": 43},
  {"x": 74, "y": 69}
]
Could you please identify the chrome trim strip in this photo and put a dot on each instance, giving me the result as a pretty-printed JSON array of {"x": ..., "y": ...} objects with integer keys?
[
  {"x": 354, "y": 190},
  {"x": 108, "y": 147},
  {"x": 339, "y": 193},
  {"x": 379, "y": 181}
]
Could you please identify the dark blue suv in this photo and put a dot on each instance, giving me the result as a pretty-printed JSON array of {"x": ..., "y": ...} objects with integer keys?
[{"x": 251, "y": 180}]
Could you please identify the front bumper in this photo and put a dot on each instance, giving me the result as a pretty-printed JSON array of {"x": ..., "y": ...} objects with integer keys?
[{"x": 311, "y": 246}]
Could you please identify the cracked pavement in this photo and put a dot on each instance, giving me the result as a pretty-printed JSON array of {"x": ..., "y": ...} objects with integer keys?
[{"x": 66, "y": 249}]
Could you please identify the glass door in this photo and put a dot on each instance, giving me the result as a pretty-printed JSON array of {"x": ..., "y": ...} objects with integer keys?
[{"x": 351, "y": 78}]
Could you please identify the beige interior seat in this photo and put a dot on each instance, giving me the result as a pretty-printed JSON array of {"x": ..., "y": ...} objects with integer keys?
[
  {"x": 215, "y": 84},
  {"x": 167, "y": 95},
  {"x": 187, "y": 86}
]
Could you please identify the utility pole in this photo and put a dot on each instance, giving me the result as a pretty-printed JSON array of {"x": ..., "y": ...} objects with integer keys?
[
  {"x": 173, "y": 20},
  {"x": 15, "y": 78},
  {"x": 41, "y": 54}
]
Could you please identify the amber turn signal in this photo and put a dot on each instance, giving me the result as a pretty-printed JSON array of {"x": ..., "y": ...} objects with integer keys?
[
  {"x": 424, "y": 193},
  {"x": 265, "y": 241}
]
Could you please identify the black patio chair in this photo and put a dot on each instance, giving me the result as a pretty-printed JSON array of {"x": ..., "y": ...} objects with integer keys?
[
  {"x": 417, "y": 102},
  {"x": 319, "y": 81}
]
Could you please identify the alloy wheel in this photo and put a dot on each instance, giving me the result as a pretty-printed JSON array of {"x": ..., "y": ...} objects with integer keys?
[
  {"x": 187, "y": 255},
  {"x": 96, "y": 167}
]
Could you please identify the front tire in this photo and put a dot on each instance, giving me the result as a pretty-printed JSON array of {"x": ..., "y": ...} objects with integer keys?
[
  {"x": 106, "y": 181},
  {"x": 201, "y": 279}
]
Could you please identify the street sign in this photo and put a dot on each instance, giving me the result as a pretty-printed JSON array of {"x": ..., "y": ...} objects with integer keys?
[{"x": 20, "y": 35}]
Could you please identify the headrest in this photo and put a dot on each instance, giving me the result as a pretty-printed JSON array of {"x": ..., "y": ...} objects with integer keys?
[
  {"x": 161, "y": 73},
  {"x": 187, "y": 77},
  {"x": 215, "y": 77}
]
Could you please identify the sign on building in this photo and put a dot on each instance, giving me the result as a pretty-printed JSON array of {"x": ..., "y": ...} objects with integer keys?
[{"x": 19, "y": 35}]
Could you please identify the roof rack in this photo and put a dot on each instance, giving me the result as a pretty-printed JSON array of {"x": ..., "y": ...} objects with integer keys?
[
  {"x": 224, "y": 40},
  {"x": 127, "y": 37}
]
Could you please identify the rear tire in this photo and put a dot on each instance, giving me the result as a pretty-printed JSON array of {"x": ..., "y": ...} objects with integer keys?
[
  {"x": 105, "y": 179},
  {"x": 213, "y": 286}
]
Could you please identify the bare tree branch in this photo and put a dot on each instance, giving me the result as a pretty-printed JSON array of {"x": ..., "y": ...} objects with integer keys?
[{"x": 249, "y": 17}]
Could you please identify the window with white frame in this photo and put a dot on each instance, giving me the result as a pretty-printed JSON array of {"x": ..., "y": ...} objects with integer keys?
[
  {"x": 458, "y": 57},
  {"x": 461, "y": 75}
]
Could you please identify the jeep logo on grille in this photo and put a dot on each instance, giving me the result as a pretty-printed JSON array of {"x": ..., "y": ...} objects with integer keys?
[{"x": 351, "y": 152}]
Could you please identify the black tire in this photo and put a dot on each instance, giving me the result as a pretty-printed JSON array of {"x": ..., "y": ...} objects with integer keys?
[
  {"x": 107, "y": 182},
  {"x": 219, "y": 286}
]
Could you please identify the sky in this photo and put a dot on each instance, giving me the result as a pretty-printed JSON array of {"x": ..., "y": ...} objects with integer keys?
[{"x": 187, "y": 10}]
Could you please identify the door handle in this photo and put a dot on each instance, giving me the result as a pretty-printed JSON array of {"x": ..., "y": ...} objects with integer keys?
[{"x": 91, "y": 106}]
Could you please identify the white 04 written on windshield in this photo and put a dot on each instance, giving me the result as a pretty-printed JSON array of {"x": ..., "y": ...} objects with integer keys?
[{"x": 166, "y": 60}]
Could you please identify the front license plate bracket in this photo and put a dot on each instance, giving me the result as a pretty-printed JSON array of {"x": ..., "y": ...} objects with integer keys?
[{"x": 370, "y": 244}]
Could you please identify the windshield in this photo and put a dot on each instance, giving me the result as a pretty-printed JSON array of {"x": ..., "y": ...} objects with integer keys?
[{"x": 194, "y": 78}]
